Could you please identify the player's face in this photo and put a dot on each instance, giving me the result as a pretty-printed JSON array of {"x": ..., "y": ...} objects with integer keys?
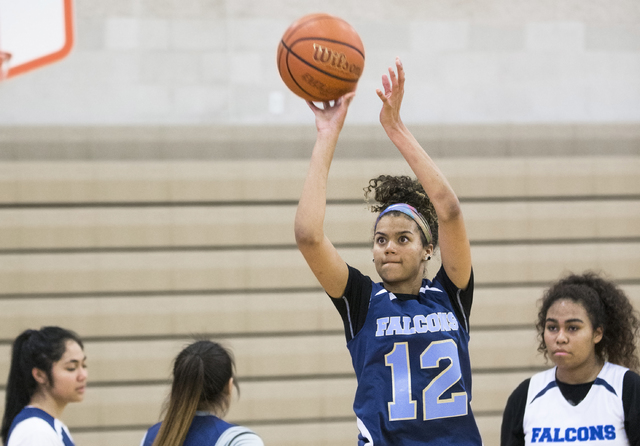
[
  {"x": 69, "y": 375},
  {"x": 570, "y": 339},
  {"x": 398, "y": 253}
]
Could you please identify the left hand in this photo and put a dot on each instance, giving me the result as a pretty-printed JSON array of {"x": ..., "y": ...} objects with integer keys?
[{"x": 392, "y": 96}]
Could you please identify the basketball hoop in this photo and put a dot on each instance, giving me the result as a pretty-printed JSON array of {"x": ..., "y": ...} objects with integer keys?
[
  {"x": 4, "y": 64},
  {"x": 34, "y": 33}
]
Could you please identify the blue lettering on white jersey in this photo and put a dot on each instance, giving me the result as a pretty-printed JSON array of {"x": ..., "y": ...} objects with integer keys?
[
  {"x": 597, "y": 420},
  {"x": 573, "y": 434}
]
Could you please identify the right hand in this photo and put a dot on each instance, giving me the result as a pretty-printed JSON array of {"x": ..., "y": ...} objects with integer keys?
[{"x": 331, "y": 118}]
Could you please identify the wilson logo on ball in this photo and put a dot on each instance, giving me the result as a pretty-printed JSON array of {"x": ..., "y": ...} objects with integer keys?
[
  {"x": 329, "y": 57},
  {"x": 320, "y": 57}
]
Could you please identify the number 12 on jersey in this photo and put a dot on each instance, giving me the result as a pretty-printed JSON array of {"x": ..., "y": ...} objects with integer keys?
[{"x": 433, "y": 405}]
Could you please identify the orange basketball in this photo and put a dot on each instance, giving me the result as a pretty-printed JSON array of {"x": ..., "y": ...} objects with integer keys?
[{"x": 320, "y": 57}]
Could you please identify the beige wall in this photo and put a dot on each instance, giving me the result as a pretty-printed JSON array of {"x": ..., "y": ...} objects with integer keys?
[
  {"x": 208, "y": 62},
  {"x": 294, "y": 142},
  {"x": 139, "y": 256}
]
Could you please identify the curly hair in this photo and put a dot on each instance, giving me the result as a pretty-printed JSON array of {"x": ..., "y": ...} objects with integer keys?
[
  {"x": 388, "y": 190},
  {"x": 607, "y": 306}
]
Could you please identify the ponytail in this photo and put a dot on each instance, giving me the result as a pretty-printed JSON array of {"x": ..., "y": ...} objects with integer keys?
[
  {"x": 183, "y": 403},
  {"x": 201, "y": 374},
  {"x": 20, "y": 385},
  {"x": 31, "y": 349}
]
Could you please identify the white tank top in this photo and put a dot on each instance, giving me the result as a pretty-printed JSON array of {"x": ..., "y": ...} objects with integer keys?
[{"x": 596, "y": 420}]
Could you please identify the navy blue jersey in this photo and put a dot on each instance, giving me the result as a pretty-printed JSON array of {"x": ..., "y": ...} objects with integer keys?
[
  {"x": 412, "y": 363},
  {"x": 207, "y": 429}
]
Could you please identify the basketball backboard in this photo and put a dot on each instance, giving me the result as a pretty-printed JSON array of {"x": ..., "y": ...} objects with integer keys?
[{"x": 33, "y": 33}]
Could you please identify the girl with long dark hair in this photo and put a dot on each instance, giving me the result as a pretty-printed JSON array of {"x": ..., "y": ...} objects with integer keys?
[
  {"x": 203, "y": 381},
  {"x": 48, "y": 370}
]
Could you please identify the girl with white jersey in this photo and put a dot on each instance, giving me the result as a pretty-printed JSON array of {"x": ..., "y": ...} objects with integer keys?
[
  {"x": 200, "y": 396},
  {"x": 588, "y": 328},
  {"x": 48, "y": 370}
]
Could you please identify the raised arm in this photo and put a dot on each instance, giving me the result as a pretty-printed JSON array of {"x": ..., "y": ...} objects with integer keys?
[
  {"x": 321, "y": 256},
  {"x": 454, "y": 243}
]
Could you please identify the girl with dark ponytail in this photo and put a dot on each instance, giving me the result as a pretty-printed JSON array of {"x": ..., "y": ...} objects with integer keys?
[
  {"x": 200, "y": 395},
  {"x": 48, "y": 370}
]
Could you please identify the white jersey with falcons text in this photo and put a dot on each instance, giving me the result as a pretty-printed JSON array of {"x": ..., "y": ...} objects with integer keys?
[{"x": 596, "y": 420}]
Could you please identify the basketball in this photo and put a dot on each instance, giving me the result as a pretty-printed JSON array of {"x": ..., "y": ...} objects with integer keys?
[{"x": 320, "y": 57}]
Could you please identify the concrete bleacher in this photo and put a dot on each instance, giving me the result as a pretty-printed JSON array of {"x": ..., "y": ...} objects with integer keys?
[{"x": 141, "y": 256}]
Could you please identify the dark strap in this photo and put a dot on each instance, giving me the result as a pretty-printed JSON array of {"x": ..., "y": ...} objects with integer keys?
[
  {"x": 65, "y": 439},
  {"x": 239, "y": 435}
]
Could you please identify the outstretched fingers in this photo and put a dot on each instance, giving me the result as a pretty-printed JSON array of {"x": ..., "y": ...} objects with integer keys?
[
  {"x": 397, "y": 79},
  {"x": 386, "y": 84},
  {"x": 391, "y": 94},
  {"x": 400, "y": 70},
  {"x": 393, "y": 82},
  {"x": 393, "y": 77}
]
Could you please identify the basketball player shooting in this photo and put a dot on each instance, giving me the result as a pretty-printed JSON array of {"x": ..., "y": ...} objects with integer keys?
[{"x": 407, "y": 335}]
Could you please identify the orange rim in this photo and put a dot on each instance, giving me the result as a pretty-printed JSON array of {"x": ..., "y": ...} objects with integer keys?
[
  {"x": 61, "y": 53},
  {"x": 4, "y": 58}
]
